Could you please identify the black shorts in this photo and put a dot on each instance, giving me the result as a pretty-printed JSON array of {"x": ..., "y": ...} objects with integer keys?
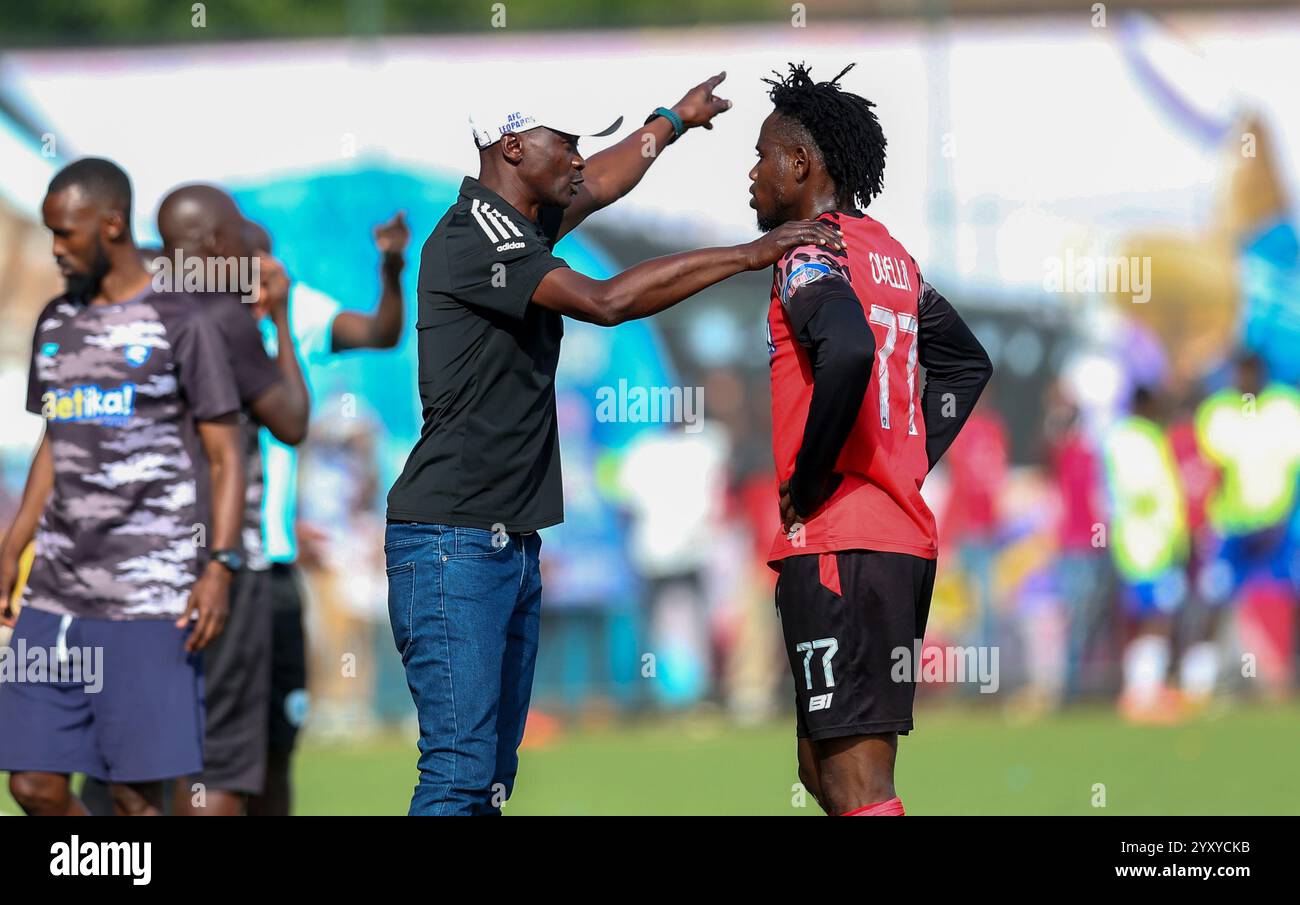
[
  {"x": 842, "y": 641},
  {"x": 288, "y": 660},
  {"x": 237, "y": 673}
]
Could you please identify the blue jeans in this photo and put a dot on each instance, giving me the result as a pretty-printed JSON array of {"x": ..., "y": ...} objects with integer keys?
[
  {"x": 465, "y": 606},
  {"x": 1082, "y": 577},
  {"x": 978, "y": 559}
]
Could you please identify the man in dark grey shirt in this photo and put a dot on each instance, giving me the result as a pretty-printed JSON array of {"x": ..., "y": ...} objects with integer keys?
[
  {"x": 202, "y": 222},
  {"x": 462, "y": 549}
]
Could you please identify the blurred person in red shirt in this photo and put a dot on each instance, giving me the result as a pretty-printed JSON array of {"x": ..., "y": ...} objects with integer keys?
[
  {"x": 977, "y": 469},
  {"x": 1199, "y": 477},
  {"x": 1081, "y": 562}
]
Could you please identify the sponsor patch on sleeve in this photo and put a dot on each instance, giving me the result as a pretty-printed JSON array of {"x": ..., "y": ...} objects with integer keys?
[{"x": 802, "y": 274}]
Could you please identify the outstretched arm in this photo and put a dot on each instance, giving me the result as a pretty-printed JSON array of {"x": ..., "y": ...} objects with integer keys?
[
  {"x": 956, "y": 371},
  {"x": 614, "y": 172},
  {"x": 652, "y": 286},
  {"x": 381, "y": 330}
]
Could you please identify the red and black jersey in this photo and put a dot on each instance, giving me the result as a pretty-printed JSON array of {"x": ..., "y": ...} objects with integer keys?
[{"x": 876, "y": 500}]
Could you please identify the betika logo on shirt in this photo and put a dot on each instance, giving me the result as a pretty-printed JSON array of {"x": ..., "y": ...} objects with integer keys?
[{"x": 88, "y": 402}]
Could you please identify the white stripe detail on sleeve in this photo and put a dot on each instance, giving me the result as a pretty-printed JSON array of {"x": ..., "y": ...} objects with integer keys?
[
  {"x": 475, "y": 209},
  {"x": 498, "y": 218}
]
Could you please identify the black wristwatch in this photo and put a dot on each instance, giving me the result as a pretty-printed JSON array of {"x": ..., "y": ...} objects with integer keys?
[{"x": 231, "y": 559}]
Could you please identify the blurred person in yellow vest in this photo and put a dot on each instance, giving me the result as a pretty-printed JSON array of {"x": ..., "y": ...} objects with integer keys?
[
  {"x": 340, "y": 550},
  {"x": 1149, "y": 545},
  {"x": 1250, "y": 431}
]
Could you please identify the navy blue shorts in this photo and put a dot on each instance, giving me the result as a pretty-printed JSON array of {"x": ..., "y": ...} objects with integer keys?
[{"x": 117, "y": 700}]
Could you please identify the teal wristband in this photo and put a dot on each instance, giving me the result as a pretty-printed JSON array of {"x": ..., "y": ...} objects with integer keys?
[{"x": 679, "y": 128}]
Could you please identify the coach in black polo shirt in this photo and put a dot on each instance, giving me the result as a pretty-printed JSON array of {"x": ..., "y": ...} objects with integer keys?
[
  {"x": 489, "y": 452},
  {"x": 464, "y": 584}
]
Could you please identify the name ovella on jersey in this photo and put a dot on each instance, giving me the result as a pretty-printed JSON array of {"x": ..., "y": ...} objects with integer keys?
[
  {"x": 889, "y": 270},
  {"x": 89, "y": 402}
]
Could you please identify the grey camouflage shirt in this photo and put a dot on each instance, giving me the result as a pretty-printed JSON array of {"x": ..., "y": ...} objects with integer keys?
[{"x": 121, "y": 387}]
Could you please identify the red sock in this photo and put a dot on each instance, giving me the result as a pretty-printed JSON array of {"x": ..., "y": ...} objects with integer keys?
[{"x": 891, "y": 808}]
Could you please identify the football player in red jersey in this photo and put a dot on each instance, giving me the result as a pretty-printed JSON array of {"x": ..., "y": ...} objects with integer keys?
[{"x": 854, "y": 435}]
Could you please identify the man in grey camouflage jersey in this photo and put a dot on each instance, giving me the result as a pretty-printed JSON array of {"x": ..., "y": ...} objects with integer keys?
[{"x": 138, "y": 475}]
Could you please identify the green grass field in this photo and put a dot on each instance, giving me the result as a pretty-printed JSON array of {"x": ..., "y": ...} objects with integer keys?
[{"x": 1242, "y": 762}]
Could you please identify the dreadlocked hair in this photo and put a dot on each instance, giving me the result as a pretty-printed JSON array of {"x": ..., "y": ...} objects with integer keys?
[{"x": 843, "y": 126}]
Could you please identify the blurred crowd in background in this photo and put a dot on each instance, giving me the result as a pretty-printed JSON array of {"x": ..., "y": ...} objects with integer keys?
[
  {"x": 1147, "y": 554},
  {"x": 1118, "y": 519}
]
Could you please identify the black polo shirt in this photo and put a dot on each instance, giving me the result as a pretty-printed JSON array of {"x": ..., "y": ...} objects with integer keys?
[{"x": 489, "y": 450}]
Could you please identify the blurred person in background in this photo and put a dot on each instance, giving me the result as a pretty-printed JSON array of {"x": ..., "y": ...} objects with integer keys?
[
  {"x": 1198, "y": 477},
  {"x": 1250, "y": 431},
  {"x": 318, "y": 327},
  {"x": 339, "y": 536},
  {"x": 592, "y": 658},
  {"x": 748, "y": 636},
  {"x": 977, "y": 473},
  {"x": 673, "y": 482},
  {"x": 202, "y": 222},
  {"x": 1081, "y": 563},
  {"x": 1150, "y": 545},
  {"x": 755, "y": 662}
]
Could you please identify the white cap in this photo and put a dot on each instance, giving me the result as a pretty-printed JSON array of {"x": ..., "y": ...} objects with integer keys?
[{"x": 490, "y": 120}]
